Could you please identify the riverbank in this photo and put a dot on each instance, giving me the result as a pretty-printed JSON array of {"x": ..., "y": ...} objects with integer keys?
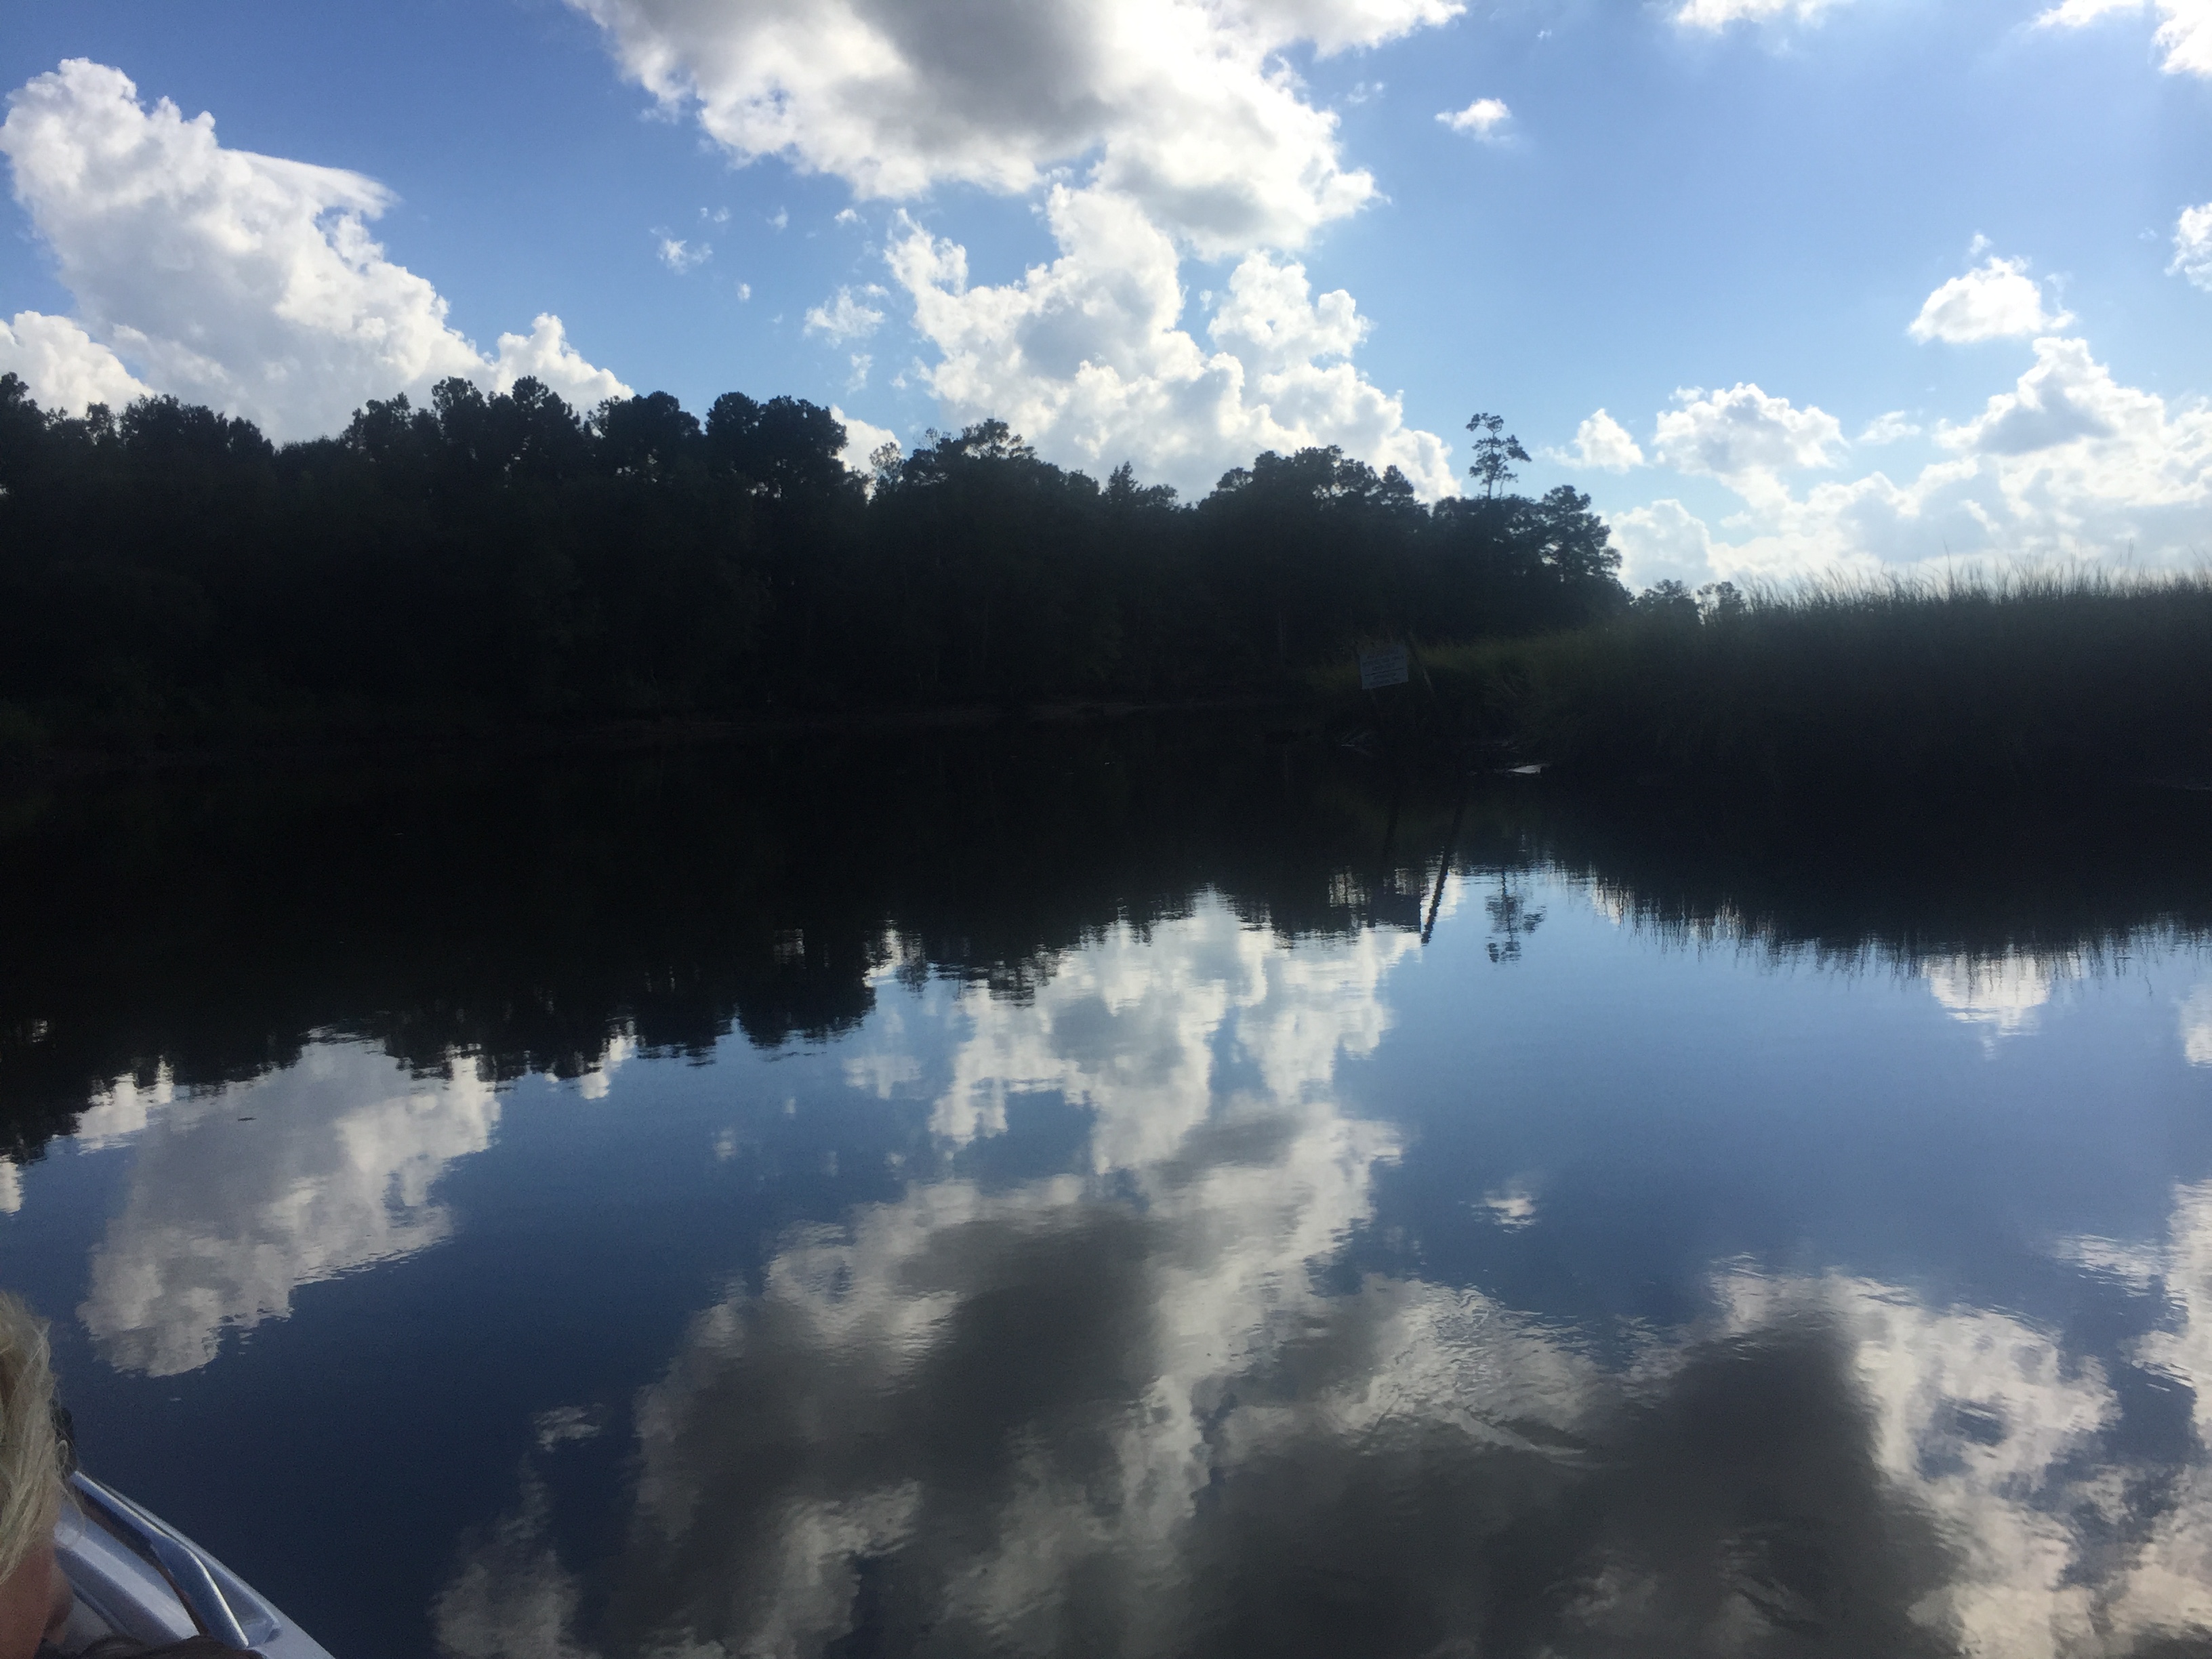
[
  {"x": 29, "y": 753},
  {"x": 2038, "y": 680}
]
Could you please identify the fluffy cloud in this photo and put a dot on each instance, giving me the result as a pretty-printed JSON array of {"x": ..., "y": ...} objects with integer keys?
[
  {"x": 1482, "y": 117},
  {"x": 2184, "y": 29},
  {"x": 64, "y": 366},
  {"x": 2193, "y": 246},
  {"x": 1663, "y": 542},
  {"x": 1894, "y": 427},
  {"x": 862, "y": 440},
  {"x": 1086, "y": 357},
  {"x": 1603, "y": 443},
  {"x": 681, "y": 256},
  {"x": 545, "y": 353},
  {"x": 845, "y": 318},
  {"x": 1714, "y": 16},
  {"x": 2071, "y": 448},
  {"x": 247, "y": 282},
  {"x": 1191, "y": 135},
  {"x": 1998, "y": 300},
  {"x": 1744, "y": 436},
  {"x": 1180, "y": 104},
  {"x": 2067, "y": 464}
]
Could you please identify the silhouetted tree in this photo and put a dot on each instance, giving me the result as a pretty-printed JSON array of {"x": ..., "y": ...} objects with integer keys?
[
  {"x": 496, "y": 554},
  {"x": 1492, "y": 452}
]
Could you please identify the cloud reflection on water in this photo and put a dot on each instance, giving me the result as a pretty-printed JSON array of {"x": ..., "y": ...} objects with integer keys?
[
  {"x": 238, "y": 1195},
  {"x": 973, "y": 1426},
  {"x": 223, "y": 1218},
  {"x": 1129, "y": 1408},
  {"x": 1128, "y": 1027},
  {"x": 1135, "y": 1406},
  {"x": 2196, "y": 1026},
  {"x": 2003, "y": 995}
]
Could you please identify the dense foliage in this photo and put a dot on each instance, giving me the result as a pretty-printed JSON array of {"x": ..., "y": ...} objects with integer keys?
[
  {"x": 2058, "y": 680},
  {"x": 501, "y": 557}
]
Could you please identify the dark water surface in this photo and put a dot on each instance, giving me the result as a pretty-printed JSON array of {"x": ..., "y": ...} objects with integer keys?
[{"x": 1041, "y": 1193}]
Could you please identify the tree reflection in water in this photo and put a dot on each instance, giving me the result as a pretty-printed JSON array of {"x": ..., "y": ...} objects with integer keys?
[
  {"x": 1151, "y": 1400},
  {"x": 1510, "y": 919}
]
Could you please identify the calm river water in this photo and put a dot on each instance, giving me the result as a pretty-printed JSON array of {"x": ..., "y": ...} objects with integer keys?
[{"x": 1124, "y": 1193}]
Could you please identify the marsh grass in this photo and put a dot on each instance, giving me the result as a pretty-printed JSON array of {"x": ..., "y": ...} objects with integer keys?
[{"x": 2034, "y": 677}]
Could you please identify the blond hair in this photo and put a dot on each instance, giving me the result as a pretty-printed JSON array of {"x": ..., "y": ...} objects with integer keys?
[{"x": 30, "y": 1445}]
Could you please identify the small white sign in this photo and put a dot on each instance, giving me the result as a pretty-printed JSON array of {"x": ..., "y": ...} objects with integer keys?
[{"x": 1387, "y": 666}]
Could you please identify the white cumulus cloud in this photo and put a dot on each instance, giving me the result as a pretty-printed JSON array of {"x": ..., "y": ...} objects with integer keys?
[
  {"x": 844, "y": 317},
  {"x": 2193, "y": 246},
  {"x": 2072, "y": 445},
  {"x": 545, "y": 353},
  {"x": 1086, "y": 357},
  {"x": 1663, "y": 542},
  {"x": 1894, "y": 427},
  {"x": 1744, "y": 435},
  {"x": 1482, "y": 117},
  {"x": 1716, "y": 15},
  {"x": 1603, "y": 443},
  {"x": 2184, "y": 29},
  {"x": 862, "y": 440},
  {"x": 1997, "y": 301},
  {"x": 1182, "y": 104},
  {"x": 244, "y": 281},
  {"x": 2069, "y": 463},
  {"x": 65, "y": 368},
  {"x": 1159, "y": 128}
]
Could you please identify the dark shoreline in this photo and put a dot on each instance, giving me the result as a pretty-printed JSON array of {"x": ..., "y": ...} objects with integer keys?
[
  {"x": 508, "y": 901},
  {"x": 504, "y": 741}
]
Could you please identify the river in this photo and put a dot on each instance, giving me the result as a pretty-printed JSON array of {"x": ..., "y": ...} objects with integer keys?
[{"x": 1124, "y": 1191}]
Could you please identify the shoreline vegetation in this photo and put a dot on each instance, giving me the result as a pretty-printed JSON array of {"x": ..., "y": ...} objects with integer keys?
[
  {"x": 2038, "y": 681},
  {"x": 171, "y": 579},
  {"x": 503, "y": 572}
]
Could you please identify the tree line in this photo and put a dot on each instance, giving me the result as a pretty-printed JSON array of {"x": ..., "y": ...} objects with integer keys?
[{"x": 505, "y": 556}]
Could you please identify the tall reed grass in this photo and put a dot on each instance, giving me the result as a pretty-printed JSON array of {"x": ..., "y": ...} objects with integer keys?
[{"x": 2038, "y": 677}]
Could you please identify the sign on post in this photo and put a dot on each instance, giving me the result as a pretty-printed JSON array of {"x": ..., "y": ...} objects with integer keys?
[{"x": 1386, "y": 665}]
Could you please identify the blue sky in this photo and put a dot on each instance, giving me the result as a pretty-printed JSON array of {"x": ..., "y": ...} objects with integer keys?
[{"x": 1177, "y": 231}]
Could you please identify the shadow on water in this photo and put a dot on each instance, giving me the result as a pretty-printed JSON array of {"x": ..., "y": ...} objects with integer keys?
[
  {"x": 205, "y": 927},
  {"x": 200, "y": 929},
  {"x": 1113, "y": 1408}
]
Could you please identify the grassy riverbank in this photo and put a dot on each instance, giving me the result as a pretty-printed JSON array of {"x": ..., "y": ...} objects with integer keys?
[{"x": 2037, "y": 679}]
